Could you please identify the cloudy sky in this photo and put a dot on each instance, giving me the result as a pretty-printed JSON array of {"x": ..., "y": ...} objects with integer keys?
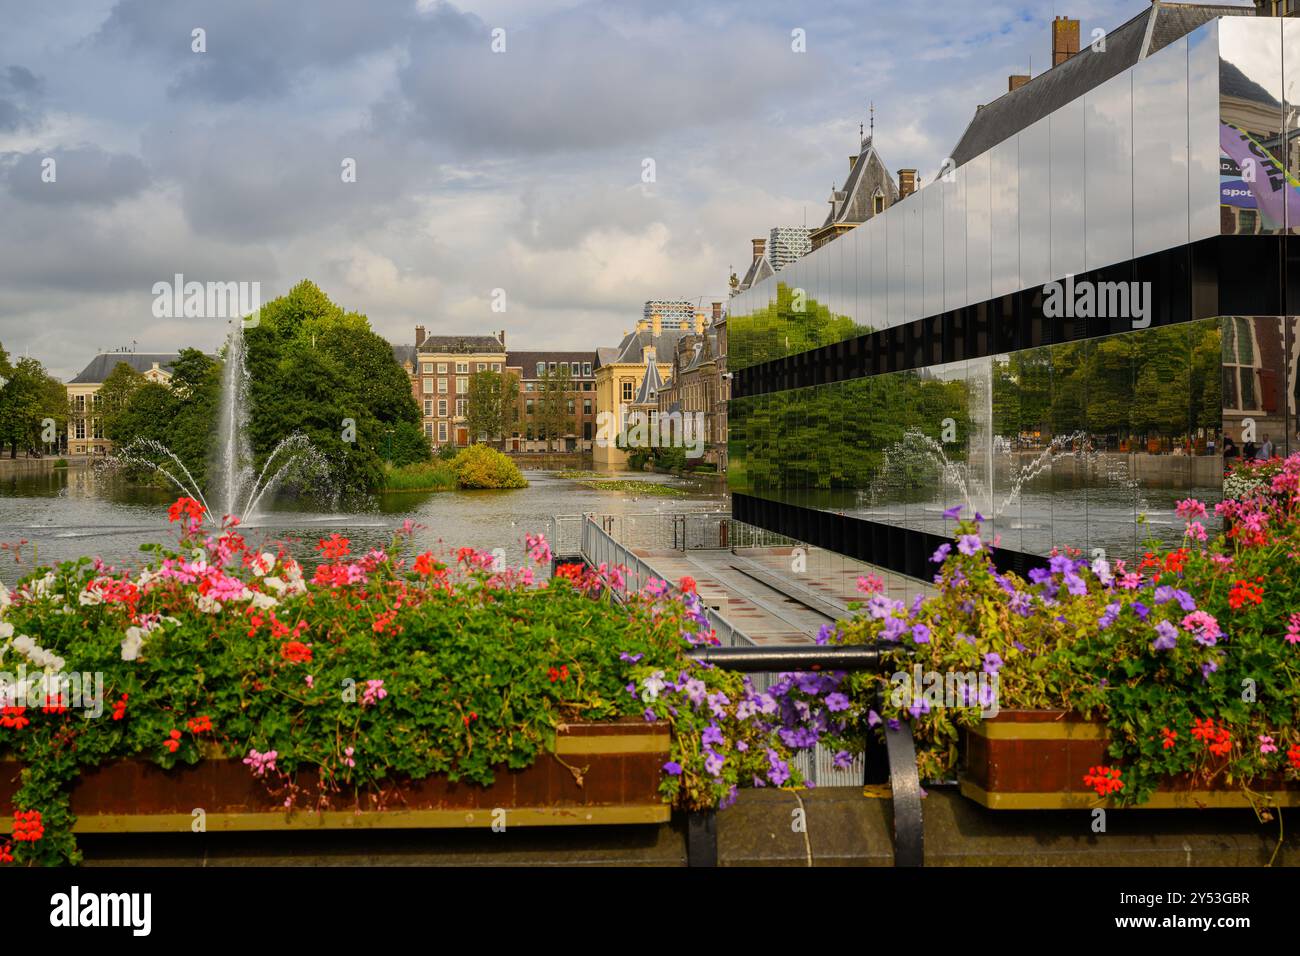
[{"x": 475, "y": 170}]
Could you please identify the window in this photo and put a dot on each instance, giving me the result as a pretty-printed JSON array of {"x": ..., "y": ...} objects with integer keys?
[
  {"x": 586, "y": 369},
  {"x": 442, "y": 386},
  {"x": 552, "y": 368},
  {"x": 586, "y": 431},
  {"x": 1247, "y": 222},
  {"x": 442, "y": 368},
  {"x": 462, "y": 368},
  {"x": 528, "y": 406},
  {"x": 528, "y": 386},
  {"x": 1240, "y": 365},
  {"x": 570, "y": 406},
  {"x": 627, "y": 390},
  {"x": 564, "y": 368},
  {"x": 98, "y": 428},
  {"x": 428, "y": 429},
  {"x": 541, "y": 369},
  {"x": 428, "y": 368},
  {"x": 442, "y": 408},
  {"x": 80, "y": 404},
  {"x": 587, "y": 386},
  {"x": 442, "y": 431},
  {"x": 428, "y": 386},
  {"x": 428, "y": 406},
  {"x": 462, "y": 385},
  {"x": 586, "y": 406},
  {"x": 528, "y": 435},
  {"x": 461, "y": 406},
  {"x": 878, "y": 202},
  {"x": 482, "y": 366},
  {"x": 496, "y": 366}
]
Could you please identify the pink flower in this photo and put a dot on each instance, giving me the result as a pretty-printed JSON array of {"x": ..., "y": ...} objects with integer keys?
[
  {"x": 373, "y": 693},
  {"x": 260, "y": 763},
  {"x": 870, "y": 584},
  {"x": 347, "y": 757},
  {"x": 1266, "y": 745},
  {"x": 1293, "y": 630},
  {"x": 538, "y": 549},
  {"x": 1196, "y": 530},
  {"x": 1205, "y": 627},
  {"x": 1190, "y": 508},
  {"x": 1130, "y": 581}
]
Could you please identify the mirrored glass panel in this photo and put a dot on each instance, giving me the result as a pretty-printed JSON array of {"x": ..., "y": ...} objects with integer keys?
[
  {"x": 1035, "y": 186},
  {"x": 1108, "y": 179},
  {"x": 896, "y": 264},
  {"x": 1253, "y": 190},
  {"x": 954, "y": 239},
  {"x": 1004, "y": 216},
  {"x": 914, "y": 261},
  {"x": 978, "y": 247},
  {"x": 932, "y": 243},
  {"x": 1203, "y": 132},
  {"x": 1067, "y": 178},
  {"x": 1160, "y": 170}
]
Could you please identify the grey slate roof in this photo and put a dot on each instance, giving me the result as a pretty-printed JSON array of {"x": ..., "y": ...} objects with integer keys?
[
  {"x": 848, "y": 206},
  {"x": 461, "y": 344},
  {"x": 104, "y": 363},
  {"x": 759, "y": 270},
  {"x": 1049, "y": 91},
  {"x": 651, "y": 383},
  {"x": 527, "y": 361},
  {"x": 629, "y": 350}
]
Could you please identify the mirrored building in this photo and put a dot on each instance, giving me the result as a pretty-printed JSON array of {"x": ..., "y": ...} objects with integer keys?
[{"x": 1063, "y": 331}]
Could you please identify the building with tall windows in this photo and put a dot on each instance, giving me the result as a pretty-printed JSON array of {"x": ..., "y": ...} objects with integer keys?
[
  {"x": 1062, "y": 332},
  {"x": 539, "y": 371},
  {"x": 85, "y": 425},
  {"x": 440, "y": 367}
]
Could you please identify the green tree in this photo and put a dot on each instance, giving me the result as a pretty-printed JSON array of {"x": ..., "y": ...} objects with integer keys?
[
  {"x": 115, "y": 394},
  {"x": 487, "y": 412},
  {"x": 29, "y": 398},
  {"x": 554, "y": 419}
]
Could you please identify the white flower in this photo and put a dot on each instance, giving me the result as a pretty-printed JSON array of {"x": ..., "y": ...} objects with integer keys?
[
  {"x": 91, "y": 596},
  {"x": 208, "y": 605},
  {"x": 6, "y": 629},
  {"x": 23, "y": 644},
  {"x": 5, "y": 599},
  {"x": 276, "y": 585},
  {"x": 653, "y": 685},
  {"x": 263, "y": 563},
  {"x": 263, "y": 601},
  {"x": 131, "y": 644}
]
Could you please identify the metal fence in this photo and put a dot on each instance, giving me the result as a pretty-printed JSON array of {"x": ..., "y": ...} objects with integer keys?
[{"x": 599, "y": 546}]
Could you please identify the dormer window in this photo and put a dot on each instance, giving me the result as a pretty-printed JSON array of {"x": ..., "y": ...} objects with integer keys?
[{"x": 878, "y": 202}]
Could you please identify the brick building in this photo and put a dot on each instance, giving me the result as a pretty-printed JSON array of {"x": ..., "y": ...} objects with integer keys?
[{"x": 533, "y": 369}]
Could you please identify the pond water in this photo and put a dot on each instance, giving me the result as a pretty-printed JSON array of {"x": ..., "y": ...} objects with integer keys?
[{"x": 68, "y": 513}]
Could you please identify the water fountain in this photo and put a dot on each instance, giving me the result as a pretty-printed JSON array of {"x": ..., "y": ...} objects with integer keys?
[{"x": 235, "y": 491}]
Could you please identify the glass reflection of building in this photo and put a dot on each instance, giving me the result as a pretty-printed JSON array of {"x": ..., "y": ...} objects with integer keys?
[{"x": 917, "y": 362}]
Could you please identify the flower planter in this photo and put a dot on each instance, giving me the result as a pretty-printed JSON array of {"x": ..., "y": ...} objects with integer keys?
[
  {"x": 619, "y": 766},
  {"x": 1036, "y": 760}
]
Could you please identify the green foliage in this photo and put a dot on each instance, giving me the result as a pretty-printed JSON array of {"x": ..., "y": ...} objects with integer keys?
[
  {"x": 312, "y": 367},
  {"x": 181, "y": 415},
  {"x": 421, "y": 476},
  {"x": 788, "y": 325},
  {"x": 28, "y": 396},
  {"x": 115, "y": 394},
  {"x": 554, "y": 419},
  {"x": 375, "y": 673},
  {"x": 479, "y": 466},
  {"x": 492, "y": 401}
]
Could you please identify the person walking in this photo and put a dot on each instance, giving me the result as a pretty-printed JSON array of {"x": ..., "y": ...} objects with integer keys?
[{"x": 1266, "y": 449}]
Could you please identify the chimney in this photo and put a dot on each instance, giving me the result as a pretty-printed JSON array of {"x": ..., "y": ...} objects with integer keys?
[
  {"x": 906, "y": 183},
  {"x": 1065, "y": 39},
  {"x": 1016, "y": 82},
  {"x": 419, "y": 336},
  {"x": 657, "y": 324},
  {"x": 700, "y": 321},
  {"x": 759, "y": 246},
  {"x": 641, "y": 325},
  {"x": 717, "y": 312}
]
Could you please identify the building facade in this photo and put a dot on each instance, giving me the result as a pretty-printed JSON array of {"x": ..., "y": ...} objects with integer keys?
[
  {"x": 85, "y": 427},
  {"x": 620, "y": 372},
  {"x": 533, "y": 369},
  {"x": 785, "y": 244},
  {"x": 440, "y": 367},
  {"x": 1063, "y": 334},
  {"x": 694, "y": 387}
]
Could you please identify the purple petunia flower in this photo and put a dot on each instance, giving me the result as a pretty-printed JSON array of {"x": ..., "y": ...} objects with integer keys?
[
  {"x": 941, "y": 553},
  {"x": 968, "y": 544},
  {"x": 1040, "y": 575},
  {"x": 992, "y": 662},
  {"x": 673, "y": 767},
  {"x": 712, "y": 736},
  {"x": 1208, "y": 668},
  {"x": 873, "y": 719},
  {"x": 1168, "y": 638},
  {"x": 625, "y": 656},
  {"x": 842, "y": 759},
  {"x": 920, "y": 634},
  {"x": 954, "y": 512},
  {"x": 1141, "y": 610},
  {"x": 837, "y": 701}
]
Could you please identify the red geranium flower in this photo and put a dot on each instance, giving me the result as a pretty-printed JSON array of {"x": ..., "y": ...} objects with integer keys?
[
  {"x": 13, "y": 717},
  {"x": 687, "y": 585},
  {"x": 6, "y": 853},
  {"x": 27, "y": 826},
  {"x": 296, "y": 652},
  {"x": 173, "y": 741},
  {"x": 1244, "y": 592},
  {"x": 185, "y": 507},
  {"x": 1170, "y": 736},
  {"x": 199, "y": 725},
  {"x": 119, "y": 709},
  {"x": 334, "y": 547},
  {"x": 1105, "y": 780}
]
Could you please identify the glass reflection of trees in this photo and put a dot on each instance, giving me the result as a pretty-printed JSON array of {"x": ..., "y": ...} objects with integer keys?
[
  {"x": 1156, "y": 392},
  {"x": 791, "y": 323}
]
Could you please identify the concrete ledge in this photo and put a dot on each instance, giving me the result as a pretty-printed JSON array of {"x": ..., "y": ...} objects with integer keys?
[{"x": 841, "y": 827}]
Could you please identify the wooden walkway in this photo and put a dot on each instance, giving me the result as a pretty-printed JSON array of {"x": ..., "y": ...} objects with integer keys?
[{"x": 759, "y": 595}]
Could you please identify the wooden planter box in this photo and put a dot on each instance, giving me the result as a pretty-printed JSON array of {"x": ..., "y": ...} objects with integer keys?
[
  {"x": 620, "y": 765},
  {"x": 1036, "y": 760}
]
